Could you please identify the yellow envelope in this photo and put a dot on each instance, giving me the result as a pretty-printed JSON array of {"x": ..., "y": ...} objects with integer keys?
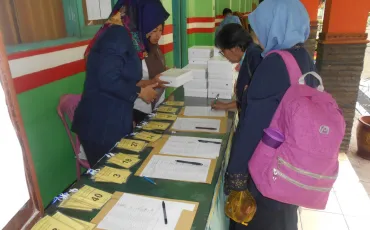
[
  {"x": 68, "y": 221},
  {"x": 153, "y": 125},
  {"x": 124, "y": 155},
  {"x": 165, "y": 116},
  {"x": 87, "y": 225},
  {"x": 108, "y": 174},
  {"x": 175, "y": 103},
  {"x": 167, "y": 109},
  {"x": 125, "y": 161},
  {"x": 147, "y": 136},
  {"x": 72, "y": 203},
  {"x": 49, "y": 223},
  {"x": 92, "y": 196},
  {"x": 132, "y": 145}
]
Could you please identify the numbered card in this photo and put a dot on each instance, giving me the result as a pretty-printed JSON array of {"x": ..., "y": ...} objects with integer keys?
[
  {"x": 175, "y": 103},
  {"x": 165, "y": 116},
  {"x": 68, "y": 221},
  {"x": 50, "y": 223},
  {"x": 87, "y": 225},
  {"x": 124, "y": 160},
  {"x": 132, "y": 145},
  {"x": 153, "y": 125},
  {"x": 76, "y": 204},
  {"x": 92, "y": 196},
  {"x": 108, "y": 174},
  {"x": 147, "y": 136},
  {"x": 167, "y": 109}
]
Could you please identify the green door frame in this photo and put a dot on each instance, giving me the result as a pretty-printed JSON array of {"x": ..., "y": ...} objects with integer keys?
[
  {"x": 184, "y": 32},
  {"x": 180, "y": 43}
]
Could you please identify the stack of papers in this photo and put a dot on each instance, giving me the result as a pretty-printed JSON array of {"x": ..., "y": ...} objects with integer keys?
[
  {"x": 112, "y": 175},
  {"x": 136, "y": 212},
  {"x": 153, "y": 125},
  {"x": 192, "y": 147},
  {"x": 147, "y": 136},
  {"x": 167, "y": 109},
  {"x": 165, "y": 116},
  {"x": 203, "y": 111},
  {"x": 200, "y": 54},
  {"x": 86, "y": 199},
  {"x": 63, "y": 222},
  {"x": 131, "y": 145},
  {"x": 176, "y": 77},
  {"x": 174, "y": 103},
  {"x": 198, "y": 86},
  {"x": 124, "y": 160},
  {"x": 197, "y": 124},
  {"x": 220, "y": 78},
  {"x": 177, "y": 168}
]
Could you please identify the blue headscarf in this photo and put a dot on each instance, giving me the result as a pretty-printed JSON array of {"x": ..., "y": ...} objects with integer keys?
[{"x": 280, "y": 24}]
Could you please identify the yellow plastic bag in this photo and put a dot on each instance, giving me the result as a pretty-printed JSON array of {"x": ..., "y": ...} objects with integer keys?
[{"x": 240, "y": 207}]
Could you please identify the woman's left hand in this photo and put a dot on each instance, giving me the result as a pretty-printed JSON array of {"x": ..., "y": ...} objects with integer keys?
[{"x": 161, "y": 84}]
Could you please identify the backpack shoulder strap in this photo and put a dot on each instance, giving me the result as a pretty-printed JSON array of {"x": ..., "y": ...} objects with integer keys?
[{"x": 291, "y": 64}]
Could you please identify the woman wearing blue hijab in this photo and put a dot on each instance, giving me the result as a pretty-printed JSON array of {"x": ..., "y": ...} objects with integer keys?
[
  {"x": 278, "y": 25},
  {"x": 113, "y": 70}
]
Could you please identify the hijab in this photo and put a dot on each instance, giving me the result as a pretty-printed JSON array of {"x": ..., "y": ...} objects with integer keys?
[
  {"x": 280, "y": 24},
  {"x": 138, "y": 17}
]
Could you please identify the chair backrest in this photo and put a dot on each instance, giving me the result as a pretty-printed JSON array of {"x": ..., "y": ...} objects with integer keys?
[{"x": 66, "y": 108}]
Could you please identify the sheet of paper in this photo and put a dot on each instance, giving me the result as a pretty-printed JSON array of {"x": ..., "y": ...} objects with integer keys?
[
  {"x": 175, "y": 103},
  {"x": 105, "y": 8},
  {"x": 203, "y": 111},
  {"x": 192, "y": 147},
  {"x": 109, "y": 174},
  {"x": 165, "y": 116},
  {"x": 136, "y": 212},
  {"x": 132, "y": 145},
  {"x": 49, "y": 223},
  {"x": 147, "y": 136},
  {"x": 167, "y": 109},
  {"x": 87, "y": 225},
  {"x": 76, "y": 204},
  {"x": 124, "y": 160},
  {"x": 167, "y": 167},
  {"x": 92, "y": 196},
  {"x": 68, "y": 221},
  {"x": 197, "y": 124},
  {"x": 93, "y": 9},
  {"x": 154, "y": 125}
]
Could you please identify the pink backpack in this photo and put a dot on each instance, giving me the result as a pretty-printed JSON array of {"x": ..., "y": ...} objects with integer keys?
[{"x": 296, "y": 162}]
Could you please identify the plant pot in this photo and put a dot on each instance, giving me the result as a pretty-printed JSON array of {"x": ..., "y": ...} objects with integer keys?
[{"x": 363, "y": 137}]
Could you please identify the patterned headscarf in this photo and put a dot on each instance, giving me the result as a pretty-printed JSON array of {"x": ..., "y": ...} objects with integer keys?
[{"x": 132, "y": 14}]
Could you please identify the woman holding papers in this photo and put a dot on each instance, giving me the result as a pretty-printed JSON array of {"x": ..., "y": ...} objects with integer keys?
[
  {"x": 278, "y": 25},
  {"x": 113, "y": 69},
  {"x": 237, "y": 46},
  {"x": 153, "y": 66}
]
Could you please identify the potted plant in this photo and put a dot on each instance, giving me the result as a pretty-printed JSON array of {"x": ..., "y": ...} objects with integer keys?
[{"x": 363, "y": 137}]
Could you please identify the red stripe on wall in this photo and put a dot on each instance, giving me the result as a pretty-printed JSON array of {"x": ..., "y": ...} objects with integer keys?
[
  {"x": 168, "y": 29},
  {"x": 220, "y": 16},
  {"x": 46, "y": 50},
  {"x": 166, "y": 48},
  {"x": 200, "y": 19},
  {"x": 37, "y": 79},
  {"x": 200, "y": 30},
  {"x": 218, "y": 23}
]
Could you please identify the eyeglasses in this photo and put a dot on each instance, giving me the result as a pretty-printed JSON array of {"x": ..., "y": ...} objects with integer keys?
[{"x": 221, "y": 53}]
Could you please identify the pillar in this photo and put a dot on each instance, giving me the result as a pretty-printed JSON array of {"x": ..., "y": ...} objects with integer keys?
[
  {"x": 340, "y": 55},
  {"x": 312, "y": 8}
]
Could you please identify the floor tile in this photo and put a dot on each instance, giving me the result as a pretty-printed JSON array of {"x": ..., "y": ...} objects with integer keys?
[
  {"x": 354, "y": 201},
  {"x": 346, "y": 177},
  {"x": 314, "y": 220},
  {"x": 366, "y": 187},
  {"x": 357, "y": 223}
]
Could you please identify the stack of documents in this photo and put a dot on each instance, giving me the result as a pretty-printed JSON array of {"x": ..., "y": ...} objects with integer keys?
[
  {"x": 137, "y": 212},
  {"x": 176, "y": 77},
  {"x": 220, "y": 78},
  {"x": 124, "y": 160},
  {"x": 198, "y": 86},
  {"x": 86, "y": 199},
  {"x": 165, "y": 116},
  {"x": 197, "y": 125},
  {"x": 167, "y": 109},
  {"x": 112, "y": 175},
  {"x": 154, "y": 125},
  {"x": 192, "y": 147},
  {"x": 131, "y": 145},
  {"x": 174, "y": 103},
  {"x": 200, "y": 54},
  {"x": 147, "y": 136},
  {"x": 203, "y": 111},
  {"x": 61, "y": 221}
]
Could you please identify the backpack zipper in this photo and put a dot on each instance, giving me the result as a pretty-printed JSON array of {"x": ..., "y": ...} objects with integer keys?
[
  {"x": 299, "y": 184},
  {"x": 304, "y": 172}
]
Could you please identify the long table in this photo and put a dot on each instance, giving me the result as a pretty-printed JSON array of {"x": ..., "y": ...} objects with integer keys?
[{"x": 210, "y": 214}]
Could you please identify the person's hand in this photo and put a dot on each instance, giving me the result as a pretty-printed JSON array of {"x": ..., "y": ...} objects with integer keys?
[
  {"x": 157, "y": 80},
  {"x": 148, "y": 93},
  {"x": 219, "y": 106}
]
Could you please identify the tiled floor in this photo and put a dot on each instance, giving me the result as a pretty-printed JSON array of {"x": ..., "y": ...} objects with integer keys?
[{"x": 348, "y": 207}]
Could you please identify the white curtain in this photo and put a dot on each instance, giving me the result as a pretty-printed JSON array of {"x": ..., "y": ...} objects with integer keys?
[{"x": 14, "y": 191}]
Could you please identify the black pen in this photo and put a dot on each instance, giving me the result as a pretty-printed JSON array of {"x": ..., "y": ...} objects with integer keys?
[
  {"x": 189, "y": 162},
  {"x": 164, "y": 212},
  {"x": 208, "y": 128},
  {"x": 212, "y": 142}
]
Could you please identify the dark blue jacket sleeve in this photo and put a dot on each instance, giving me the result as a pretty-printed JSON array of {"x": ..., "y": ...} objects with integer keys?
[
  {"x": 270, "y": 81},
  {"x": 116, "y": 55}
]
